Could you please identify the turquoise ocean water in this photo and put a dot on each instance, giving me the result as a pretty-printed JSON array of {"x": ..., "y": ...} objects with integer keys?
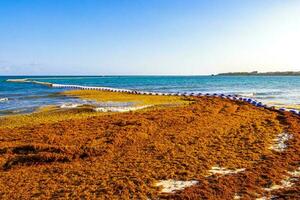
[{"x": 273, "y": 90}]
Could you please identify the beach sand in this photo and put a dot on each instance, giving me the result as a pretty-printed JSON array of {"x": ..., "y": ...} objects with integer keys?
[{"x": 178, "y": 148}]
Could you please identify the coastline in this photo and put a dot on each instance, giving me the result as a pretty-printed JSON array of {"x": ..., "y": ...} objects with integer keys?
[
  {"x": 196, "y": 139},
  {"x": 294, "y": 108}
]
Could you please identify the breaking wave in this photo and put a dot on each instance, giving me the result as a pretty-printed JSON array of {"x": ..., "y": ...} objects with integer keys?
[
  {"x": 247, "y": 94},
  {"x": 3, "y": 99},
  {"x": 70, "y": 105}
]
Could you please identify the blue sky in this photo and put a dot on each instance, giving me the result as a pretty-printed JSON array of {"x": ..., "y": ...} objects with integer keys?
[{"x": 185, "y": 37}]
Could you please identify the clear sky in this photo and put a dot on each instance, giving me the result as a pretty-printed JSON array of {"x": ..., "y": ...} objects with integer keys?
[{"x": 185, "y": 37}]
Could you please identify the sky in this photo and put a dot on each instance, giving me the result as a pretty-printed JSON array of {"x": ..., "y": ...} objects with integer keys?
[{"x": 148, "y": 37}]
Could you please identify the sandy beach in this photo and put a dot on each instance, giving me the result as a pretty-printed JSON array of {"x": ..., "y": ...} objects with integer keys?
[{"x": 174, "y": 148}]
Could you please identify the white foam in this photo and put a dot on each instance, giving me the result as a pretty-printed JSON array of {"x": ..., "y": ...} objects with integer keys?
[
  {"x": 120, "y": 109},
  {"x": 3, "y": 99},
  {"x": 224, "y": 171},
  {"x": 70, "y": 105},
  {"x": 279, "y": 144},
  {"x": 171, "y": 186},
  {"x": 250, "y": 94}
]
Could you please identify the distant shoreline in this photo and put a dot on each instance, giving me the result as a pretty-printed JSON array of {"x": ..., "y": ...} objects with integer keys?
[{"x": 255, "y": 73}]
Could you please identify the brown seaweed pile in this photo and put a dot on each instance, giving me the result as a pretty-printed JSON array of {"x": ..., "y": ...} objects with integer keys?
[{"x": 123, "y": 156}]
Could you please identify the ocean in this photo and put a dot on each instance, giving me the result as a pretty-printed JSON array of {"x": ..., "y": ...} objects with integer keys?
[{"x": 282, "y": 91}]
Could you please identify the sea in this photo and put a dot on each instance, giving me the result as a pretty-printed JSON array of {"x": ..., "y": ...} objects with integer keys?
[{"x": 15, "y": 98}]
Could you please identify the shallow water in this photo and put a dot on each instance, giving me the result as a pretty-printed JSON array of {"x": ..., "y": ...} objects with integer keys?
[{"x": 273, "y": 90}]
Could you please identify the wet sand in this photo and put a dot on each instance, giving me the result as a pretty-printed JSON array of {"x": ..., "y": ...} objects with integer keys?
[{"x": 204, "y": 148}]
